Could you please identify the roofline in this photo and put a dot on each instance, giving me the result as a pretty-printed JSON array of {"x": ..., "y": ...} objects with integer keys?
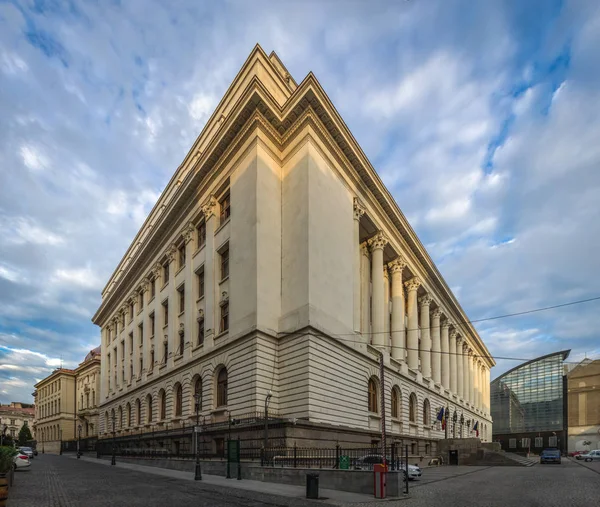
[
  {"x": 58, "y": 371},
  {"x": 564, "y": 353}
]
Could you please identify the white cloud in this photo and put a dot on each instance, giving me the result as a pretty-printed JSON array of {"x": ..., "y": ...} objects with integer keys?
[{"x": 33, "y": 158}]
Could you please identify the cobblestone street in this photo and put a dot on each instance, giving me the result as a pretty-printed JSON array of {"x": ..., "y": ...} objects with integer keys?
[{"x": 62, "y": 481}]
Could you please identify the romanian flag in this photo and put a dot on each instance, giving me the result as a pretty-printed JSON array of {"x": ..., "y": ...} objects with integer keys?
[
  {"x": 476, "y": 428},
  {"x": 444, "y": 415}
]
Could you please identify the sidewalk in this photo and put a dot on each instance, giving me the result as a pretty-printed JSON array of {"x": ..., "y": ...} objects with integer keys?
[{"x": 327, "y": 496}]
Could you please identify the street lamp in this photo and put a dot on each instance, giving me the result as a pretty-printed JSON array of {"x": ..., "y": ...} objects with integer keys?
[
  {"x": 79, "y": 441},
  {"x": 114, "y": 418},
  {"x": 198, "y": 472},
  {"x": 266, "y": 435}
]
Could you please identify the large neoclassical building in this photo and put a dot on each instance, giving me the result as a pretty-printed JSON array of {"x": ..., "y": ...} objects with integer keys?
[{"x": 276, "y": 260}]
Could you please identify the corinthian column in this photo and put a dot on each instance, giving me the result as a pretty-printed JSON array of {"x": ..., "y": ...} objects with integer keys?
[
  {"x": 476, "y": 388},
  {"x": 386, "y": 307},
  {"x": 377, "y": 244},
  {"x": 445, "y": 346},
  {"x": 471, "y": 392},
  {"x": 465, "y": 361},
  {"x": 398, "y": 308},
  {"x": 425, "y": 348},
  {"x": 359, "y": 211},
  {"x": 365, "y": 283},
  {"x": 454, "y": 362},
  {"x": 436, "y": 358},
  {"x": 412, "y": 333}
]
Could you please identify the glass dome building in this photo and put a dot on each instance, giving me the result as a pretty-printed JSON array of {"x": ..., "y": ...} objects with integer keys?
[{"x": 529, "y": 405}]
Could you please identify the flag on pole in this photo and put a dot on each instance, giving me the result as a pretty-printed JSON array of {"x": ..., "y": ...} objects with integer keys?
[
  {"x": 476, "y": 428},
  {"x": 444, "y": 415},
  {"x": 440, "y": 415}
]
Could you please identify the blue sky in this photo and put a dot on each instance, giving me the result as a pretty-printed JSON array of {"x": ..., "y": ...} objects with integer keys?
[{"x": 481, "y": 117}]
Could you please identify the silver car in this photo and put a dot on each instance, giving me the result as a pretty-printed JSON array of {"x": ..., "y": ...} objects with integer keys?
[
  {"x": 591, "y": 456},
  {"x": 28, "y": 451}
]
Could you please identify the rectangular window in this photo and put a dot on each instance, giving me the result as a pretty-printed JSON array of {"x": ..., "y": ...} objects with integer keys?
[
  {"x": 165, "y": 272},
  {"x": 141, "y": 334},
  {"x": 122, "y": 351},
  {"x": 181, "y": 291},
  {"x": 225, "y": 205},
  {"x": 181, "y": 255},
  {"x": 525, "y": 443},
  {"x": 201, "y": 234},
  {"x": 152, "y": 287},
  {"x": 512, "y": 443},
  {"x": 152, "y": 324},
  {"x": 200, "y": 332},
  {"x": 181, "y": 343},
  {"x": 552, "y": 441},
  {"x": 165, "y": 312},
  {"x": 166, "y": 351},
  {"x": 131, "y": 342},
  {"x": 130, "y": 371},
  {"x": 224, "y": 317},
  {"x": 539, "y": 442},
  {"x": 200, "y": 279},
  {"x": 131, "y": 311},
  {"x": 141, "y": 365},
  {"x": 151, "y": 359},
  {"x": 225, "y": 263}
]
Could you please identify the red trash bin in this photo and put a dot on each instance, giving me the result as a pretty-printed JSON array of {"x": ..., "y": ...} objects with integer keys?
[{"x": 379, "y": 473}]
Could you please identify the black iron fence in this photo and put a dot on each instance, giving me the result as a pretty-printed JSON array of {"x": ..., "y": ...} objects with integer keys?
[
  {"x": 361, "y": 458},
  {"x": 85, "y": 445}
]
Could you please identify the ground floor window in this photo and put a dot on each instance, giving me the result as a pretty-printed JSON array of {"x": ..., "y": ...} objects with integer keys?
[
  {"x": 512, "y": 443},
  {"x": 539, "y": 441}
]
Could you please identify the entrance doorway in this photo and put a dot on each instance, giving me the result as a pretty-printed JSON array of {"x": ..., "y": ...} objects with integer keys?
[{"x": 453, "y": 457}]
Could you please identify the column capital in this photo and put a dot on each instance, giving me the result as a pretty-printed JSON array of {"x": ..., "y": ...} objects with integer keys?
[
  {"x": 188, "y": 232},
  {"x": 209, "y": 206},
  {"x": 454, "y": 334},
  {"x": 397, "y": 265},
  {"x": 446, "y": 323},
  {"x": 359, "y": 209},
  {"x": 155, "y": 271},
  {"x": 364, "y": 249},
  {"x": 425, "y": 300},
  {"x": 144, "y": 285},
  {"x": 437, "y": 313},
  {"x": 171, "y": 253},
  {"x": 386, "y": 273},
  {"x": 378, "y": 241},
  {"x": 412, "y": 284}
]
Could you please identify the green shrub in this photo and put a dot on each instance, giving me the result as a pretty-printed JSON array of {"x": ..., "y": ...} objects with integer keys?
[{"x": 6, "y": 458}]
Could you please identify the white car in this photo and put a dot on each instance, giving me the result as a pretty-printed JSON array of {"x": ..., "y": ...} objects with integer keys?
[
  {"x": 28, "y": 451},
  {"x": 21, "y": 461},
  {"x": 591, "y": 456},
  {"x": 414, "y": 471},
  {"x": 367, "y": 462}
]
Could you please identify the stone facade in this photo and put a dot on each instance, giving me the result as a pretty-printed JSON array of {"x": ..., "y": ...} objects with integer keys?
[
  {"x": 88, "y": 394},
  {"x": 55, "y": 409},
  {"x": 584, "y": 406},
  {"x": 14, "y": 416},
  {"x": 276, "y": 261}
]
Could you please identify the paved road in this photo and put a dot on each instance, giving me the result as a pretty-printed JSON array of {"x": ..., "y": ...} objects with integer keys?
[
  {"x": 60, "y": 481},
  {"x": 568, "y": 484}
]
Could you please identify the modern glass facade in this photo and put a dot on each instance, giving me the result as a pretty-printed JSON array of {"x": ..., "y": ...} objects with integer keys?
[{"x": 528, "y": 405}]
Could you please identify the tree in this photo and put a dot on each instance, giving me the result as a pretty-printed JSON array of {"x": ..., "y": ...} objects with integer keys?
[
  {"x": 24, "y": 435},
  {"x": 587, "y": 443}
]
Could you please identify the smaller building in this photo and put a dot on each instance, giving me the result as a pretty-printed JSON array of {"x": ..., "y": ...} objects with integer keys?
[
  {"x": 55, "y": 409},
  {"x": 529, "y": 405},
  {"x": 14, "y": 416},
  {"x": 88, "y": 394},
  {"x": 584, "y": 406}
]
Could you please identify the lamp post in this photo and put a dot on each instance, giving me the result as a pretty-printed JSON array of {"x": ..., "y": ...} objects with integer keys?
[
  {"x": 198, "y": 472},
  {"x": 78, "y": 441},
  {"x": 266, "y": 435},
  {"x": 114, "y": 418}
]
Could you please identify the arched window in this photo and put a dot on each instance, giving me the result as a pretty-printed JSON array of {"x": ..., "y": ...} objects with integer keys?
[
  {"x": 197, "y": 391},
  {"x": 373, "y": 406},
  {"x": 162, "y": 403},
  {"x": 128, "y": 415},
  {"x": 138, "y": 412},
  {"x": 112, "y": 420},
  {"x": 106, "y": 422},
  {"x": 178, "y": 400},
  {"x": 412, "y": 408},
  {"x": 120, "y": 418},
  {"x": 149, "y": 408},
  {"x": 395, "y": 403},
  {"x": 222, "y": 387},
  {"x": 426, "y": 414}
]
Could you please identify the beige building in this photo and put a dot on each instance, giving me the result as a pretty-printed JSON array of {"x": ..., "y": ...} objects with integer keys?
[
  {"x": 584, "y": 406},
  {"x": 14, "y": 416},
  {"x": 276, "y": 260},
  {"x": 55, "y": 409},
  {"x": 87, "y": 377}
]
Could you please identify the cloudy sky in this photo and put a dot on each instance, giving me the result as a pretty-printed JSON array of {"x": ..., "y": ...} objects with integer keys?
[{"x": 483, "y": 118}]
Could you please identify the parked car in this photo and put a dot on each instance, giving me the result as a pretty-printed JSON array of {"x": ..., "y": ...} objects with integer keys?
[
  {"x": 21, "y": 461},
  {"x": 550, "y": 456},
  {"x": 591, "y": 456},
  {"x": 28, "y": 451},
  {"x": 574, "y": 454}
]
